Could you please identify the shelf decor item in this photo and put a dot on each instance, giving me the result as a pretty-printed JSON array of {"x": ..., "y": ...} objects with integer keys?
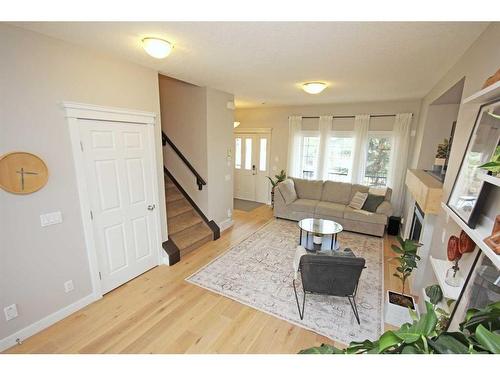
[
  {"x": 493, "y": 166},
  {"x": 491, "y": 80},
  {"x": 466, "y": 194},
  {"x": 453, "y": 275},
  {"x": 22, "y": 173},
  {"x": 493, "y": 241}
]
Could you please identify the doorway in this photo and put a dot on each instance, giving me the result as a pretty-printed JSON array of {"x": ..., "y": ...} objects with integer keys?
[
  {"x": 115, "y": 163},
  {"x": 251, "y": 165}
]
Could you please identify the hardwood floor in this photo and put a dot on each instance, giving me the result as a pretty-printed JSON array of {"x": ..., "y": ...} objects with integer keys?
[{"x": 158, "y": 312}]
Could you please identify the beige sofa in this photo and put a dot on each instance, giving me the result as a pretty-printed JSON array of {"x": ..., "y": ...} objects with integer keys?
[{"x": 329, "y": 200}]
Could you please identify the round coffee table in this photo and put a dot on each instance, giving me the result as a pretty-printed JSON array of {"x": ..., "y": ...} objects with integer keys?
[{"x": 315, "y": 232}]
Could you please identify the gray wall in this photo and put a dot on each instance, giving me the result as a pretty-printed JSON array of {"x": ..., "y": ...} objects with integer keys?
[
  {"x": 440, "y": 119},
  {"x": 36, "y": 74}
]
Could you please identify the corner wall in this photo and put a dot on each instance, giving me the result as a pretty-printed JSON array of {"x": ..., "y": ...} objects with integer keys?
[{"x": 36, "y": 74}]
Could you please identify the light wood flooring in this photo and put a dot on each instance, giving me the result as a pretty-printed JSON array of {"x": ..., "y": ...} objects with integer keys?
[{"x": 158, "y": 312}]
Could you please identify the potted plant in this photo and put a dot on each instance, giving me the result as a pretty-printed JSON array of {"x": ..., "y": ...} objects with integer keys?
[
  {"x": 279, "y": 177},
  {"x": 397, "y": 305},
  {"x": 436, "y": 298},
  {"x": 478, "y": 334},
  {"x": 493, "y": 166}
]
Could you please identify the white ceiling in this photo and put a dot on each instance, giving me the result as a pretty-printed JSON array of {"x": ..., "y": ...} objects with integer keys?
[{"x": 266, "y": 61}]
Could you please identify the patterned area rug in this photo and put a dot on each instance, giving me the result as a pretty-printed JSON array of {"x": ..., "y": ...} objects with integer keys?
[{"x": 258, "y": 272}]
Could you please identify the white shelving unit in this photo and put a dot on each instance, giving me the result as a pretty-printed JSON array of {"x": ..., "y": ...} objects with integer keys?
[
  {"x": 485, "y": 95},
  {"x": 440, "y": 267},
  {"x": 477, "y": 235},
  {"x": 494, "y": 180}
]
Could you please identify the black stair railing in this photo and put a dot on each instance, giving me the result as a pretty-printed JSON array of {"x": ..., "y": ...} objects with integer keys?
[{"x": 199, "y": 180}]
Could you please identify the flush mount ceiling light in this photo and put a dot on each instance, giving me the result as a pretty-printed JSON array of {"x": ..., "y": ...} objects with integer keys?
[
  {"x": 314, "y": 87},
  {"x": 236, "y": 124},
  {"x": 158, "y": 48}
]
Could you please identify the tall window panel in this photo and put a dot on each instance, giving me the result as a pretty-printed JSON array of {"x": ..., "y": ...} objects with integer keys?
[
  {"x": 237, "y": 153},
  {"x": 378, "y": 160},
  {"x": 339, "y": 158},
  {"x": 248, "y": 153},
  {"x": 263, "y": 155},
  {"x": 310, "y": 153}
]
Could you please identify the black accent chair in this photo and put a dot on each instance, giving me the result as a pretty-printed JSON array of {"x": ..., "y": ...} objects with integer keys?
[{"x": 330, "y": 275}]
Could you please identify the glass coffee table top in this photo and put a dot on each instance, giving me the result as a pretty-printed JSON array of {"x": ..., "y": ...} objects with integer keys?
[{"x": 320, "y": 226}]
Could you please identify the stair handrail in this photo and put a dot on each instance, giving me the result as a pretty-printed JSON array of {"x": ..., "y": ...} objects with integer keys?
[{"x": 199, "y": 180}]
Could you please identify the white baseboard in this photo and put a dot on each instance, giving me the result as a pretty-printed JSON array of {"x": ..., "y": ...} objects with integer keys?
[
  {"x": 43, "y": 323},
  {"x": 226, "y": 224}
]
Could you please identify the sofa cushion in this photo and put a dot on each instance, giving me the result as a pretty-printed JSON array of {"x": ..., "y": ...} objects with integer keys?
[
  {"x": 308, "y": 189},
  {"x": 386, "y": 192},
  {"x": 355, "y": 188},
  {"x": 304, "y": 205},
  {"x": 358, "y": 200},
  {"x": 336, "y": 192},
  {"x": 330, "y": 209},
  {"x": 364, "y": 216},
  {"x": 372, "y": 202},
  {"x": 385, "y": 208},
  {"x": 287, "y": 191}
]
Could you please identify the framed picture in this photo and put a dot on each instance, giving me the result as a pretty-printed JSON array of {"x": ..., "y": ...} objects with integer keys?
[
  {"x": 483, "y": 141},
  {"x": 481, "y": 288}
]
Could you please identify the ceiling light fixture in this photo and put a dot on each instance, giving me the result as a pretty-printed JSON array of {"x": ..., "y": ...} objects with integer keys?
[
  {"x": 236, "y": 124},
  {"x": 158, "y": 48},
  {"x": 314, "y": 87}
]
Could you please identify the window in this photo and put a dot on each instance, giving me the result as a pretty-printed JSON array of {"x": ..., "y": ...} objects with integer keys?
[
  {"x": 310, "y": 151},
  {"x": 263, "y": 155},
  {"x": 339, "y": 158},
  {"x": 237, "y": 153},
  {"x": 248, "y": 153},
  {"x": 378, "y": 159}
]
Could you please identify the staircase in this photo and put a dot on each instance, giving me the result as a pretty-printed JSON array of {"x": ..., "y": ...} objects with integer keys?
[{"x": 186, "y": 228}]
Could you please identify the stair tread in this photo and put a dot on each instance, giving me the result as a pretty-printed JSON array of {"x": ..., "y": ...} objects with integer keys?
[
  {"x": 173, "y": 196},
  {"x": 191, "y": 235},
  {"x": 178, "y": 207},
  {"x": 183, "y": 221}
]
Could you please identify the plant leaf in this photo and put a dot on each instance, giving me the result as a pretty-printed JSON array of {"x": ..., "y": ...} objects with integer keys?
[
  {"x": 388, "y": 340},
  {"x": 488, "y": 340},
  {"x": 448, "y": 344}
]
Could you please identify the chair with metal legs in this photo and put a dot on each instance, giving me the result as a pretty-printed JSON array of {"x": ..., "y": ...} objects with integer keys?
[{"x": 330, "y": 275}]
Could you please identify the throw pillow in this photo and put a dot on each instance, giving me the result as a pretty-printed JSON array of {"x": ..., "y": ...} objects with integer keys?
[
  {"x": 287, "y": 191},
  {"x": 372, "y": 202},
  {"x": 358, "y": 200}
]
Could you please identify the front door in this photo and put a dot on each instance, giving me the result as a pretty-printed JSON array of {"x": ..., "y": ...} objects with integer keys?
[
  {"x": 251, "y": 167},
  {"x": 119, "y": 176}
]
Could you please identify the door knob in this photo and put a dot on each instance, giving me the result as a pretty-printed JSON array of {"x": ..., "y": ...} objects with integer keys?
[{"x": 151, "y": 207}]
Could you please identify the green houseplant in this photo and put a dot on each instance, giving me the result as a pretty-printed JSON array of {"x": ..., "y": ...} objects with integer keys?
[
  {"x": 493, "y": 165},
  {"x": 278, "y": 178},
  {"x": 479, "y": 333},
  {"x": 397, "y": 304},
  {"x": 435, "y": 295}
]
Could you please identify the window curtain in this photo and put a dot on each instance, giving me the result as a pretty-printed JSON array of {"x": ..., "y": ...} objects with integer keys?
[
  {"x": 294, "y": 146},
  {"x": 361, "y": 125},
  {"x": 325, "y": 129},
  {"x": 402, "y": 128}
]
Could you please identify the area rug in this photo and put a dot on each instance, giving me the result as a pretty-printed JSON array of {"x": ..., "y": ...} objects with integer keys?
[
  {"x": 244, "y": 205},
  {"x": 258, "y": 272}
]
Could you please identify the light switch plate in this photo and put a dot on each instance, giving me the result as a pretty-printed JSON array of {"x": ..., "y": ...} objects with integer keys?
[
  {"x": 10, "y": 312},
  {"x": 51, "y": 218},
  {"x": 68, "y": 286}
]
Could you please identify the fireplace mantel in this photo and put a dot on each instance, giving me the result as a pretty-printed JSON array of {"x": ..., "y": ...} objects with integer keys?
[{"x": 425, "y": 189}]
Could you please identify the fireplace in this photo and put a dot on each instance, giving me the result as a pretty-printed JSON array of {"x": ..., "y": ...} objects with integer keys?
[{"x": 417, "y": 223}]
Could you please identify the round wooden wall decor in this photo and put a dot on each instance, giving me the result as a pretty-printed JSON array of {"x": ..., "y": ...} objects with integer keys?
[{"x": 22, "y": 173}]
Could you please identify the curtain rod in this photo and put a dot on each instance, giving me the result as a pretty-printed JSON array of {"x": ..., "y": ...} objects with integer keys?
[{"x": 349, "y": 116}]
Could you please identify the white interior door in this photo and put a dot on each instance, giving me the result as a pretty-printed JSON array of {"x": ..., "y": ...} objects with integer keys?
[
  {"x": 251, "y": 166},
  {"x": 119, "y": 176}
]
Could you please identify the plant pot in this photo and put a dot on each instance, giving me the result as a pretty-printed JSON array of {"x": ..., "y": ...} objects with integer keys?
[{"x": 396, "y": 310}]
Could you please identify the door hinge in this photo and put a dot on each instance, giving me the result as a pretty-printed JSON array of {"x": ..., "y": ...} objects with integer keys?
[
  {"x": 91, "y": 215},
  {"x": 100, "y": 278},
  {"x": 81, "y": 145}
]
